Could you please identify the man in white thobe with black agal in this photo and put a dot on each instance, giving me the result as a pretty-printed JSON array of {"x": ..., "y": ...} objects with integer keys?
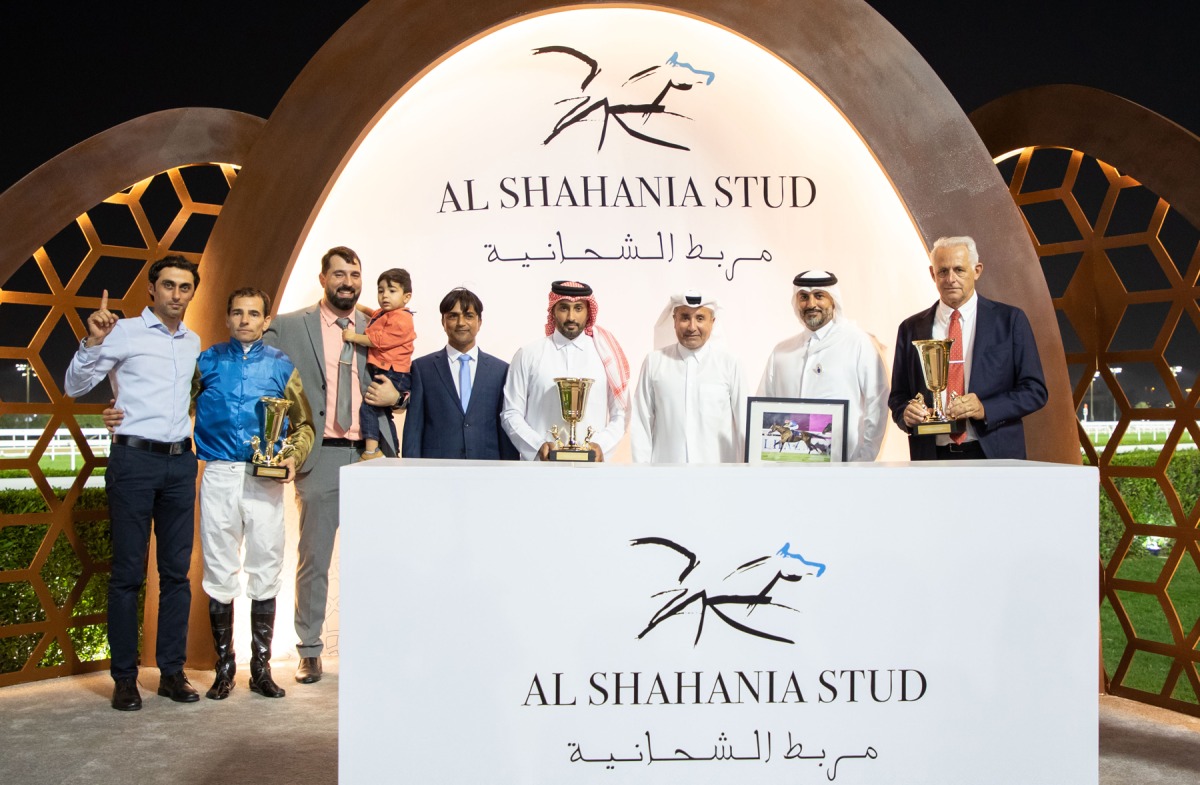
[
  {"x": 689, "y": 405},
  {"x": 832, "y": 358},
  {"x": 574, "y": 346}
]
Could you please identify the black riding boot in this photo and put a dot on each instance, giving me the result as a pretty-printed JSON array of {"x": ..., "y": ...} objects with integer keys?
[
  {"x": 220, "y": 616},
  {"x": 262, "y": 630}
]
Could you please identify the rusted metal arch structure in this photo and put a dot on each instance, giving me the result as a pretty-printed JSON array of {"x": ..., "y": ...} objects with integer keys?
[
  {"x": 108, "y": 166},
  {"x": 41, "y": 203},
  {"x": 1133, "y": 146},
  {"x": 1162, "y": 155}
]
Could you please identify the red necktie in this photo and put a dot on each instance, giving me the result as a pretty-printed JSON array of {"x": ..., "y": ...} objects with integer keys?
[{"x": 956, "y": 379}]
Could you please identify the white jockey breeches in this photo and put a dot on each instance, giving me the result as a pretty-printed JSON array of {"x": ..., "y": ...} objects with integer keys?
[{"x": 235, "y": 506}]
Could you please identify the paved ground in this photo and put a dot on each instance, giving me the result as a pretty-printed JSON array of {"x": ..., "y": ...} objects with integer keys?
[{"x": 62, "y": 732}]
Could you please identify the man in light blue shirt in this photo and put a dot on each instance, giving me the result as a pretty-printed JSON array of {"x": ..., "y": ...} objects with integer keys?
[{"x": 150, "y": 360}]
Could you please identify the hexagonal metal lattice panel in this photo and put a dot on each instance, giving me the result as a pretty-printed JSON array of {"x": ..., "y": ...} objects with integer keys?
[
  {"x": 1122, "y": 269},
  {"x": 55, "y": 548}
]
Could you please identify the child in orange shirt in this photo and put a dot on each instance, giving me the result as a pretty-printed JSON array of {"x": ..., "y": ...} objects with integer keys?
[{"x": 389, "y": 340}]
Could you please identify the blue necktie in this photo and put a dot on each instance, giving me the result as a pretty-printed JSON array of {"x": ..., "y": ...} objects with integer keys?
[{"x": 464, "y": 380}]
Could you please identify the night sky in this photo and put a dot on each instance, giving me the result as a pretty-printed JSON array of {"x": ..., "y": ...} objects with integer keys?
[{"x": 72, "y": 70}]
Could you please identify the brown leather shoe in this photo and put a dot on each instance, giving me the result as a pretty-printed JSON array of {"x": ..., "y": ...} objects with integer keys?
[
  {"x": 176, "y": 687},
  {"x": 125, "y": 695},
  {"x": 309, "y": 671}
]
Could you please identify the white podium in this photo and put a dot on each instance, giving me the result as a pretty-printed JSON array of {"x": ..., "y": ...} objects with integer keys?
[{"x": 535, "y": 623}]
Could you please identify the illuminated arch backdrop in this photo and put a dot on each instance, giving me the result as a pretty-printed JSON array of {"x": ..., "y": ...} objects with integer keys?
[
  {"x": 527, "y": 101},
  {"x": 722, "y": 145}
]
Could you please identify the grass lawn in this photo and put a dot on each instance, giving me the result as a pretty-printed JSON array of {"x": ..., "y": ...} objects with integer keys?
[
  {"x": 1148, "y": 672},
  {"x": 1146, "y": 440}
]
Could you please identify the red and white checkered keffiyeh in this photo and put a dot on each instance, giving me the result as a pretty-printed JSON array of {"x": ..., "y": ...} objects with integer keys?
[{"x": 616, "y": 366}]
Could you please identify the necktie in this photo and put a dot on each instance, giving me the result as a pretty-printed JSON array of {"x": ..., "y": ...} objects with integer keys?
[
  {"x": 464, "y": 380},
  {"x": 344, "y": 417},
  {"x": 956, "y": 379}
]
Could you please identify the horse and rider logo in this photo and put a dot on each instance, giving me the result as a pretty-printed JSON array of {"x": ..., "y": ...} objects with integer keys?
[
  {"x": 636, "y": 103},
  {"x": 733, "y": 598}
]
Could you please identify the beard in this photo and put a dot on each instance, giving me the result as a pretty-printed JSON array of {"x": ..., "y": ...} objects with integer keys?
[
  {"x": 341, "y": 300},
  {"x": 815, "y": 320}
]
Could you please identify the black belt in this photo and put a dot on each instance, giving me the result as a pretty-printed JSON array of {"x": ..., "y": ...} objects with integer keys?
[
  {"x": 356, "y": 444},
  {"x": 954, "y": 451},
  {"x": 149, "y": 445}
]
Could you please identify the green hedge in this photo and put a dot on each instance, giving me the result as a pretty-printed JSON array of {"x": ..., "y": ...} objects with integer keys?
[
  {"x": 1145, "y": 499},
  {"x": 19, "y": 544}
]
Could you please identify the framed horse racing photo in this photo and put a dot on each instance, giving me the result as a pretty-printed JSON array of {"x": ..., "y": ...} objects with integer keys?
[{"x": 795, "y": 430}]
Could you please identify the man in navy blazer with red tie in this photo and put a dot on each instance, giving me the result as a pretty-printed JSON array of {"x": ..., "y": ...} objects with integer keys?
[
  {"x": 437, "y": 424},
  {"x": 1003, "y": 374}
]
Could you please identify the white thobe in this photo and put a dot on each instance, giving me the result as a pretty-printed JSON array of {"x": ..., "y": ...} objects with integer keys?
[
  {"x": 531, "y": 401},
  {"x": 838, "y": 361},
  {"x": 689, "y": 407}
]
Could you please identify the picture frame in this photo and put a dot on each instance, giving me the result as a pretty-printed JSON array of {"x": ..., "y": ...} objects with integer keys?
[{"x": 796, "y": 430}]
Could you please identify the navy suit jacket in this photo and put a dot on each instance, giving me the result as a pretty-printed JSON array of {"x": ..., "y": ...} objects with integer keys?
[
  {"x": 436, "y": 427},
  {"x": 1006, "y": 376}
]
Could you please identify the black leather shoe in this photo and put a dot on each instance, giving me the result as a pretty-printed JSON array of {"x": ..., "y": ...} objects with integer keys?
[
  {"x": 309, "y": 671},
  {"x": 125, "y": 695},
  {"x": 177, "y": 688}
]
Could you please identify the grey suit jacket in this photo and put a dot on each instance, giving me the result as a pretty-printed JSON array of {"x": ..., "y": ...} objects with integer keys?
[
  {"x": 298, "y": 334},
  {"x": 437, "y": 427}
]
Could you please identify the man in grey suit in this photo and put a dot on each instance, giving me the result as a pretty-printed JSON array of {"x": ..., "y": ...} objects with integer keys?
[
  {"x": 443, "y": 421},
  {"x": 334, "y": 373}
]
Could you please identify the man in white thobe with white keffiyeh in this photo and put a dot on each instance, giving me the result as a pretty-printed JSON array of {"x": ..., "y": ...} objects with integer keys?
[
  {"x": 689, "y": 404},
  {"x": 831, "y": 358}
]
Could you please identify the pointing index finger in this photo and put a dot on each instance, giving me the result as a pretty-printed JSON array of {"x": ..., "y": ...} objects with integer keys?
[{"x": 104, "y": 300}]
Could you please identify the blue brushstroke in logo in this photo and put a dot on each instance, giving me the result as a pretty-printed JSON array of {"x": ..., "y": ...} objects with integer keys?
[
  {"x": 784, "y": 551},
  {"x": 674, "y": 60}
]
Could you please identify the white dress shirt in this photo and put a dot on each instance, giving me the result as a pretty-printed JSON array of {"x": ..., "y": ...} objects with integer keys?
[
  {"x": 472, "y": 366},
  {"x": 839, "y": 361},
  {"x": 150, "y": 370},
  {"x": 689, "y": 407},
  {"x": 531, "y": 402}
]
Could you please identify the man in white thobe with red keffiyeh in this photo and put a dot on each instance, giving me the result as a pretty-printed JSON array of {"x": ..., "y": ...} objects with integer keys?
[{"x": 573, "y": 347}]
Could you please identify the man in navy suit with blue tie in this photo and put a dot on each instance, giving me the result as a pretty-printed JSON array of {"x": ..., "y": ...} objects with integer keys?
[
  {"x": 457, "y": 392},
  {"x": 994, "y": 364}
]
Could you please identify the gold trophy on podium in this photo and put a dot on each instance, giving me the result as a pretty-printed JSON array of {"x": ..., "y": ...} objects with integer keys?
[
  {"x": 572, "y": 398},
  {"x": 935, "y": 367},
  {"x": 266, "y": 462}
]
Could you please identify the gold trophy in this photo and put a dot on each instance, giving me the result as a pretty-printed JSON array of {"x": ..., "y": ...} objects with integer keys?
[
  {"x": 266, "y": 463},
  {"x": 935, "y": 367},
  {"x": 572, "y": 398}
]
